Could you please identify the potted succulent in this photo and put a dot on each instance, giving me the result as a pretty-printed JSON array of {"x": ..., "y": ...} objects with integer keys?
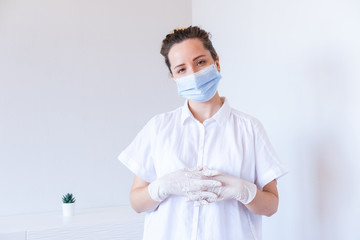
[{"x": 68, "y": 204}]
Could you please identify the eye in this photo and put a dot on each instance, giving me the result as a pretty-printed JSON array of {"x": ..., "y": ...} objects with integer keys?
[
  {"x": 201, "y": 62},
  {"x": 181, "y": 70}
]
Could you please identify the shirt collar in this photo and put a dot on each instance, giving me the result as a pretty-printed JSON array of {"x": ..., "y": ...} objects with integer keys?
[{"x": 220, "y": 116}]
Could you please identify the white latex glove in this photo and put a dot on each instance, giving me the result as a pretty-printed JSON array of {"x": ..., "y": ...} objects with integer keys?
[
  {"x": 187, "y": 182},
  {"x": 232, "y": 187}
]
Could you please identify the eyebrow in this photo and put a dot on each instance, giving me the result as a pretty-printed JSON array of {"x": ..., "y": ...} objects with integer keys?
[{"x": 193, "y": 60}]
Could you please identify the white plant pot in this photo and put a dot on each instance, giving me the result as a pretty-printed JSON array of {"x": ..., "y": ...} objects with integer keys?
[{"x": 68, "y": 209}]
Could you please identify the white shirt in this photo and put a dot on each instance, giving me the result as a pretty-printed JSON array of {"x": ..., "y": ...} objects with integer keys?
[{"x": 231, "y": 142}]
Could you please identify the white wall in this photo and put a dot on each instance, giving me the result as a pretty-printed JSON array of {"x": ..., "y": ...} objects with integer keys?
[
  {"x": 296, "y": 66},
  {"x": 78, "y": 80}
]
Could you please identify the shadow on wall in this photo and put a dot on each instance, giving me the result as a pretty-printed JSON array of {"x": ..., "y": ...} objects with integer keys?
[
  {"x": 328, "y": 146},
  {"x": 331, "y": 187}
]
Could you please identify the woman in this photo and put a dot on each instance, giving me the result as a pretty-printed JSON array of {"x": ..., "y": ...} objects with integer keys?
[{"x": 205, "y": 170}]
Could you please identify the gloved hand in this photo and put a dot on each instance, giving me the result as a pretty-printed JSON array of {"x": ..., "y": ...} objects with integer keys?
[
  {"x": 232, "y": 187},
  {"x": 188, "y": 182}
]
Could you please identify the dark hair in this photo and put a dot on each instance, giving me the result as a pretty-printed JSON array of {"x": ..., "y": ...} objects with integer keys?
[{"x": 181, "y": 34}]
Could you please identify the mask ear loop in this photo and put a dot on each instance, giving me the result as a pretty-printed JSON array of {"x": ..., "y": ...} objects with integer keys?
[
  {"x": 216, "y": 66},
  {"x": 171, "y": 77}
]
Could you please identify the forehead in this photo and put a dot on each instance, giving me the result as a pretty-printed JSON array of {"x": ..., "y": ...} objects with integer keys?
[{"x": 186, "y": 50}]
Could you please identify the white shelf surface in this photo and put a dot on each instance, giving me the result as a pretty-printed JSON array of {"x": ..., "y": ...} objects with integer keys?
[{"x": 102, "y": 223}]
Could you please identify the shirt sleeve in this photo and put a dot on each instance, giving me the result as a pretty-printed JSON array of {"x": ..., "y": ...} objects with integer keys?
[
  {"x": 267, "y": 164},
  {"x": 138, "y": 155}
]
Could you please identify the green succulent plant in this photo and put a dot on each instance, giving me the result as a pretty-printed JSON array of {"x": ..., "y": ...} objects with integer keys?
[{"x": 68, "y": 198}]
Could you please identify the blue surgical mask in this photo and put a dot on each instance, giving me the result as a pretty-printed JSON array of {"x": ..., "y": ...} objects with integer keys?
[{"x": 200, "y": 86}]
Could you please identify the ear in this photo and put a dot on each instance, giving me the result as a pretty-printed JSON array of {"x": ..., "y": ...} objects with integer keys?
[
  {"x": 217, "y": 63},
  {"x": 172, "y": 77}
]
